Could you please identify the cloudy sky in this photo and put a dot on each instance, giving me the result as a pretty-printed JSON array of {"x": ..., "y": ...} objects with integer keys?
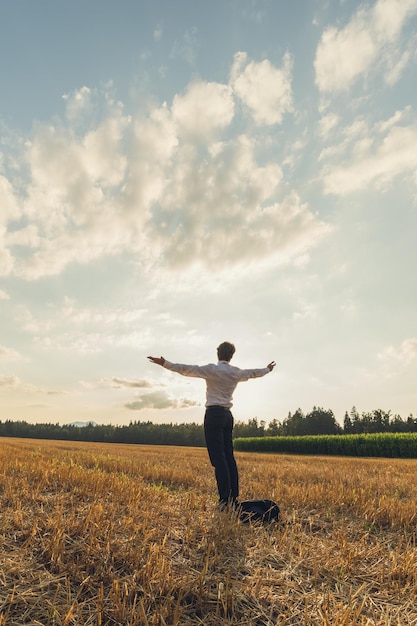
[{"x": 177, "y": 174}]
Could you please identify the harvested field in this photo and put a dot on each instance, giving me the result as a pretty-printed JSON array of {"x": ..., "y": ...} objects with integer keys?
[{"x": 107, "y": 534}]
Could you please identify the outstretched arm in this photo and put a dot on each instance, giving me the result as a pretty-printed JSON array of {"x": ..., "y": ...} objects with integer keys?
[
  {"x": 257, "y": 373},
  {"x": 159, "y": 360},
  {"x": 197, "y": 371}
]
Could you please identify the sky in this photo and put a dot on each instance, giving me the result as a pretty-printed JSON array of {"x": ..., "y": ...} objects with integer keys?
[{"x": 174, "y": 174}]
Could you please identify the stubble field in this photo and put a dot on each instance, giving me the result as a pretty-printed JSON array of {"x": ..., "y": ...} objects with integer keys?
[{"x": 107, "y": 534}]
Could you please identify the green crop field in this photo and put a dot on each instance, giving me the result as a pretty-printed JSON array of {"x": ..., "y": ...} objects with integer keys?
[{"x": 392, "y": 445}]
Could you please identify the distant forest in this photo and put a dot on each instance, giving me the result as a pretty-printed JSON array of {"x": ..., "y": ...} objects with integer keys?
[{"x": 319, "y": 421}]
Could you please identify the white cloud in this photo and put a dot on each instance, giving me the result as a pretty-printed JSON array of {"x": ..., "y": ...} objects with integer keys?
[
  {"x": 343, "y": 55},
  {"x": 78, "y": 103},
  {"x": 349, "y": 307},
  {"x": 390, "y": 15},
  {"x": 69, "y": 327},
  {"x": 154, "y": 145},
  {"x": 203, "y": 110},
  {"x": 27, "y": 237},
  {"x": 98, "y": 145},
  {"x": 400, "y": 356},
  {"x": 6, "y": 259},
  {"x": 118, "y": 383},
  {"x": 9, "y": 211},
  {"x": 9, "y": 381},
  {"x": 306, "y": 311},
  {"x": 223, "y": 212},
  {"x": 15, "y": 384},
  {"x": 373, "y": 158},
  {"x": 72, "y": 173},
  {"x": 395, "y": 67},
  {"x": 328, "y": 123},
  {"x": 8, "y": 202},
  {"x": 370, "y": 39},
  {"x": 159, "y": 399},
  {"x": 4, "y": 295},
  {"x": 173, "y": 187},
  {"x": 8, "y": 354},
  {"x": 158, "y": 32},
  {"x": 263, "y": 88},
  {"x": 71, "y": 197}
]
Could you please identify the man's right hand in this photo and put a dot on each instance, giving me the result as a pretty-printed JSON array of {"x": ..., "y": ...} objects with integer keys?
[
  {"x": 159, "y": 360},
  {"x": 271, "y": 365}
]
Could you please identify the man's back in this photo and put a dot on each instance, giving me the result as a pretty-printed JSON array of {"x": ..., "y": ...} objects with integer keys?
[{"x": 221, "y": 379}]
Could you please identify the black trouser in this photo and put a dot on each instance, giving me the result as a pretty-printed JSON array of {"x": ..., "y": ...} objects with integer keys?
[{"x": 218, "y": 428}]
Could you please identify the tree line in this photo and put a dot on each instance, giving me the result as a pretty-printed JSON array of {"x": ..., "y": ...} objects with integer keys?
[
  {"x": 321, "y": 421},
  {"x": 318, "y": 421},
  {"x": 190, "y": 434}
]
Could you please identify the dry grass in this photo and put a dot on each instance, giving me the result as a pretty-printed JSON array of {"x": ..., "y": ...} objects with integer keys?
[{"x": 110, "y": 534}]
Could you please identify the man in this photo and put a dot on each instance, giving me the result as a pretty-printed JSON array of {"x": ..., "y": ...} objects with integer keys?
[{"x": 221, "y": 381}]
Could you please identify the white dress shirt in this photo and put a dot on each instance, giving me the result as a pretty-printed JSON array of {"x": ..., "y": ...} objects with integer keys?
[{"x": 221, "y": 379}]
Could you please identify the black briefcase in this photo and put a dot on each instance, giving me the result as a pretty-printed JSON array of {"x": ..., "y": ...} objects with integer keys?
[{"x": 264, "y": 511}]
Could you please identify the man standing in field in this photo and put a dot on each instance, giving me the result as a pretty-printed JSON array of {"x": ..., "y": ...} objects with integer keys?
[{"x": 221, "y": 381}]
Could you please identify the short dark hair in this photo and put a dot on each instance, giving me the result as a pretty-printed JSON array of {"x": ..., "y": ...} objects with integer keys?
[{"x": 225, "y": 351}]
